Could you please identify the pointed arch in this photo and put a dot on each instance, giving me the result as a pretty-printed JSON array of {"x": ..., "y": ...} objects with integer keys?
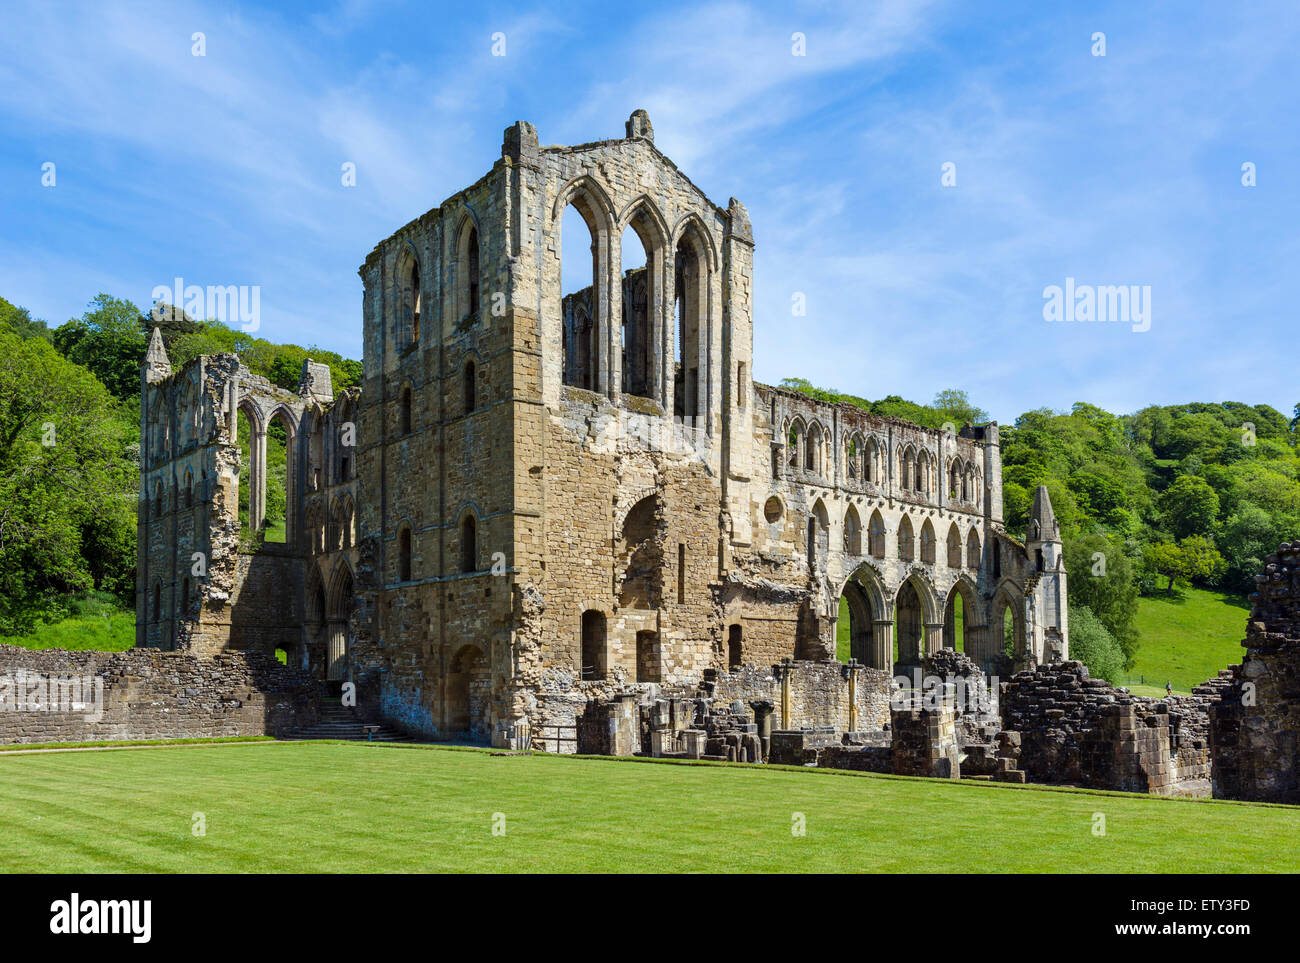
[
  {"x": 1006, "y": 630},
  {"x": 954, "y": 546},
  {"x": 693, "y": 268},
  {"x": 974, "y": 556},
  {"x": 587, "y": 351},
  {"x": 852, "y": 531},
  {"x": 796, "y": 439},
  {"x": 643, "y": 300},
  {"x": 467, "y": 529},
  {"x": 588, "y": 191},
  {"x": 468, "y": 260},
  {"x": 314, "y": 600},
  {"x": 339, "y": 598},
  {"x": 965, "y": 594},
  {"x": 876, "y": 535},
  {"x": 927, "y": 543},
  {"x": 906, "y": 540},
  {"x": 410, "y": 296},
  {"x": 812, "y": 457}
]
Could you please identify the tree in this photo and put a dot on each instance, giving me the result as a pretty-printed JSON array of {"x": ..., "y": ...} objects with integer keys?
[
  {"x": 1094, "y": 646},
  {"x": 956, "y": 406},
  {"x": 1249, "y": 534},
  {"x": 67, "y": 488},
  {"x": 21, "y": 321},
  {"x": 1193, "y": 559},
  {"x": 1099, "y": 577},
  {"x": 109, "y": 339},
  {"x": 1190, "y": 506}
]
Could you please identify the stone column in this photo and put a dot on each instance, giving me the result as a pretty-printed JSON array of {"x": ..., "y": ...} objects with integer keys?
[
  {"x": 882, "y": 649},
  {"x": 932, "y": 642},
  {"x": 336, "y": 651}
]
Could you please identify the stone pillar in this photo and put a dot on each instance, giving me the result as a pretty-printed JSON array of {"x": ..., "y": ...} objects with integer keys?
[
  {"x": 882, "y": 649},
  {"x": 932, "y": 641},
  {"x": 783, "y": 674},
  {"x": 853, "y": 695},
  {"x": 336, "y": 651}
]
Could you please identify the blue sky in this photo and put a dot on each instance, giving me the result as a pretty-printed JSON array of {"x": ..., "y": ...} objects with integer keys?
[{"x": 1117, "y": 170}]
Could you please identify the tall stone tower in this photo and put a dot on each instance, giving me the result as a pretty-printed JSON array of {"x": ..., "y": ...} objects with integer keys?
[
  {"x": 551, "y": 503},
  {"x": 1043, "y": 545}
]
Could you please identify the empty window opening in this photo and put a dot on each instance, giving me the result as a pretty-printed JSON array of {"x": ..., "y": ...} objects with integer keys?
[
  {"x": 593, "y": 645},
  {"x": 469, "y": 544},
  {"x": 579, "y": 258},
  {"x": 404, "y": 555},
  {"x": 735, "y": 646}
]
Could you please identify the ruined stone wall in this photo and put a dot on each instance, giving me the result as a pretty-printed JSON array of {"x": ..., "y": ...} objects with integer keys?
[
  {"x": 1255, "y": 721},
  {"x": 149, "y": 694},
  {"x": 811, "y": 694},
  {"x": 205, "y": 584},
  {"x": 1084, "y": 731}
]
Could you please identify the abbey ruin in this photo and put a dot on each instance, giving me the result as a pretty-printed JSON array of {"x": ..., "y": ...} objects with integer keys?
[
  {"x": 570, "y": 521},
  {"x": 537, "y": 503}
]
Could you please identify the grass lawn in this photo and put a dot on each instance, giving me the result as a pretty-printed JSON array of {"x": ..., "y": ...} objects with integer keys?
[
  {"x": 102, "y": 633},
  {"x": 293, "y": 807},
  {"x": 1188, "y": 637}
]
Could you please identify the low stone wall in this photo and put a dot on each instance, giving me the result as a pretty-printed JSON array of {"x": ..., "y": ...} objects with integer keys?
[
  {"x": 1084, "y": 731},
  {"x": 147, "y": 694}
]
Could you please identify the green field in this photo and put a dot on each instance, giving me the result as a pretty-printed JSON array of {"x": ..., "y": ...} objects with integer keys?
[
  {"x": 101, "y": 633},
  {"x": 303, "y": 807},
  {"x": 1187, "y": 638}
]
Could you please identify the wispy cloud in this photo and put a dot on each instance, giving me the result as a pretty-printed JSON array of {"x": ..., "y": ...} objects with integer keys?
[{"x": 1124, "y": 169}]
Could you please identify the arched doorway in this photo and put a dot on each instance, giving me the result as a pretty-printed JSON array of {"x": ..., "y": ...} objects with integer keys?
[
  {"x": 338, "y": 632},
  {"x": 1007, "y": 641},
  {"x": 963, "y": 621},
  {"x": 909, "y": 629},
  {"x": 863, "y": 632}
]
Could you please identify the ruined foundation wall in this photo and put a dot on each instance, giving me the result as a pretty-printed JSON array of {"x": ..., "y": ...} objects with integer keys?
[{"x": 149, "y": 694}]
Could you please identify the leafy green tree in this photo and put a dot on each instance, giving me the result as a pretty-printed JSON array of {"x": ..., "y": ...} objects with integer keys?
[
  {"x": 110, "y": 340},
  {"x": 1099, "y": 577},
  {"x": 1093, "y": 645},
  {"x": 1190, "y": 506},
  {"x": 1193, "y": 559},
  {"x": 955, "y": 406},
  {"x": 22, "y": 323},
  {"x": 66, "y": 485},
  {"x": 1248, "y": 536}
]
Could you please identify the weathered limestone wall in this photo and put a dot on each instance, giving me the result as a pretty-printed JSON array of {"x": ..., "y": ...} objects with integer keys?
[
  {"x": 1255, "y": 723},
  {"x": 149, "y": 694}
]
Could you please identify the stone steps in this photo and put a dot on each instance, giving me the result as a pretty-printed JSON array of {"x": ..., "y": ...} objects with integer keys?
[{"x": 339, "y": 722}]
